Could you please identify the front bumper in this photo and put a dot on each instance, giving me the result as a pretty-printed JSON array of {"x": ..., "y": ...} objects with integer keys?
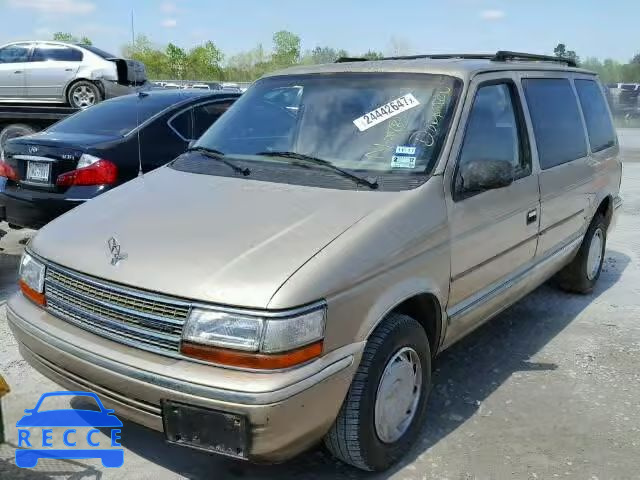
[{"x": 287, "y": 411}]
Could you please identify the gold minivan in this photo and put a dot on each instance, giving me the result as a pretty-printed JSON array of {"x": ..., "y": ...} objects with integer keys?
[{"x": 291, "y": 277}]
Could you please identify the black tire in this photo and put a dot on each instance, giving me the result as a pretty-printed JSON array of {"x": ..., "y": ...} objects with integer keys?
[
  {"x": 575, "y": 277},
  {"x": 353, "y": 437},
  {"x": 83, "y": 94},
  {"x": 14, "y": 130}
]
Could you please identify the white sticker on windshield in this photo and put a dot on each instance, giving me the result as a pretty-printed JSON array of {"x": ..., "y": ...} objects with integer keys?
[
  {"x": 402, "y": 161},
  {"x": 402, "y": 150},
  {"x": 385, "y": 112}
]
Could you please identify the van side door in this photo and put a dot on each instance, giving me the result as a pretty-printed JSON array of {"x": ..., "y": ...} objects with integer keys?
[
  {"x": 563, "y": 155},
  {"x": 494, "y": 231}
]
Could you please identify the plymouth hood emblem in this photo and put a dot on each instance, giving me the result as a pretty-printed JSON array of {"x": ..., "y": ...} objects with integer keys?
[{"x": 114, "y": 249}]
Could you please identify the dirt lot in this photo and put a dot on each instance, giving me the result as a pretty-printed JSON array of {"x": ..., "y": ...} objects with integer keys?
[{"x": 548, "y": 389}]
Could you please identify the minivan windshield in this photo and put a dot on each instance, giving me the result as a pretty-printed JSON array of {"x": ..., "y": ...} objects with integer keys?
[
  {"x": 387, "y": 126},
  {"x": 116, "y": 117}
]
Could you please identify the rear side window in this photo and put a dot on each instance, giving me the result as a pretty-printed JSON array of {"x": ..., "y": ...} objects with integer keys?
[
  {"x": 205, "y": 115},
  {"x": 58, "y": 53},
  {"x": 596, "y": 115},
  {"x": 557, "y": 123}
]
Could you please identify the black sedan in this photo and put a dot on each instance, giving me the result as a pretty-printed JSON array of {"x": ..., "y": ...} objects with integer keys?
[{"x": 48, "y": 173}]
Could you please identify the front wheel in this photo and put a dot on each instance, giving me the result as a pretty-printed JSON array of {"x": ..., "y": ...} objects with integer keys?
[
  {"x": 581, "y": 275},
  {"x": 83, "y": 94},
  {"x": 386, "y": 403}
]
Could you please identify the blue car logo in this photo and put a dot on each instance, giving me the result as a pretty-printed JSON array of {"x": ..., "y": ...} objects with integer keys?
[{"x": 28, "y": 457}]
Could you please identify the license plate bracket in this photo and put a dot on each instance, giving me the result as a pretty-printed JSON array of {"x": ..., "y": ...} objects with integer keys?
[
  {"x": 205, "y": 429},
  {"x": 38, "y": 171}
]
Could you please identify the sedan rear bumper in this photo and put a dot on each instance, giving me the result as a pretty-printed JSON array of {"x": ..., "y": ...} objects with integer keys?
[{"x": 282, "y": 418}]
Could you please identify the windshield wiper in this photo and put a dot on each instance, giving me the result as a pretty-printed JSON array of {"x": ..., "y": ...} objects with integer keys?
[
  {"x": 217, "y": 155},
  {"x": 372, "y": 184}
]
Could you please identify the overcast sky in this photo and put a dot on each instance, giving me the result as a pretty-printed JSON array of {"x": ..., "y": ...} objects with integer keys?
[{"x": 592, "y": 28}]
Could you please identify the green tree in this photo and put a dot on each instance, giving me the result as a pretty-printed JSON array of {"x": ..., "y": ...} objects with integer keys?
[
  {"x": 561, "y": 51},
  {"x": 636, "y": 59},
  {"x": 69, "y": 38},
  {"x": 177, "y": 58},
  {"x": 373, "y": 55},
  {"x": 204, "y": 62},
  {"x": 154, "y": 59},
  {"x": 286, "y": 49}
]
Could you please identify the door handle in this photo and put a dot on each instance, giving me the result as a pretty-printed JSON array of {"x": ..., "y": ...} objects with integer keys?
[
  {"x": 532, "y": 216},
  {"x": 18, "y": 71},
  {"x": 68, "y": 69}
]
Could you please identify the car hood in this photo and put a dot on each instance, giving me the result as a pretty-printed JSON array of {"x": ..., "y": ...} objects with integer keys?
[{"x": 224, "y": 240}]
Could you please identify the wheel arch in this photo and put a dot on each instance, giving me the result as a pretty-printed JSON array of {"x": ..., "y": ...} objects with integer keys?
[
  {"x": 605, "y": 207},
  {"x": 82, "y": 79},
  {"x": 424, "y": 306}
]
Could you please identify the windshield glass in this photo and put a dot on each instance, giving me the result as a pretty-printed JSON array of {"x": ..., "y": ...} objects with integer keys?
[
  {"x": 390, "y": 126},
  {"x": 115, "y": 117}
]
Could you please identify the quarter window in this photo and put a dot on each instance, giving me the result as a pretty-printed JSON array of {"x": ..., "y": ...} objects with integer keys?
[
  {"x": 182, "y": 124},
  {"x": 596, "y": 115},
  {"x": 14, "y": 54},
  {"x": 557, "y": 123},
  {"x": 205, "y": 115},
  {"x": 494, "y": 131}
]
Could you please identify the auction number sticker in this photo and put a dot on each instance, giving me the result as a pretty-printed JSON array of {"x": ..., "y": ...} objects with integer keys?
[{"x": 385, "y": 112}]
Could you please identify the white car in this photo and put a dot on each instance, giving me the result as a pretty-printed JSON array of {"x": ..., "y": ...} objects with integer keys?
[{"x": 58, "y": 72}]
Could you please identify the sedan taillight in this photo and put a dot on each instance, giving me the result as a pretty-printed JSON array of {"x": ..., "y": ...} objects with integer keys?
[
  {"x": 8, "y": 171},
  {"x": 101, "y": 172}
]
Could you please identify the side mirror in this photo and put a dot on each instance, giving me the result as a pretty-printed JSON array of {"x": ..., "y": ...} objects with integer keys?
[
  {"x": 191, "y": 143},
  {"x": 480, "y": 175}
]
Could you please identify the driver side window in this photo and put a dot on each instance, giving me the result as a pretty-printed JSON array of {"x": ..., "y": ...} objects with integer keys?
[
  {"x": 495, "y": 132},
  {"x": 17, "y": 53}
]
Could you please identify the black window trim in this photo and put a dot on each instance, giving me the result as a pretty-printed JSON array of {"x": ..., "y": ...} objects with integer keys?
[
  {"x": 523, "y": 135},
  {"x": 191, "y": 107},
  {"x": 593, "y": 79},
  {"x": 569, "y": 77}
]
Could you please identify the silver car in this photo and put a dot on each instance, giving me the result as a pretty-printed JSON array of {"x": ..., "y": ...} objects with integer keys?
[
  {"x": 57, "y": 72},
  {"x": 291, "y": 278}
]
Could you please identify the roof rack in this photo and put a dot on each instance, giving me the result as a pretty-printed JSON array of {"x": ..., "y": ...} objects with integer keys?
[{"x": 501, "y": 56}]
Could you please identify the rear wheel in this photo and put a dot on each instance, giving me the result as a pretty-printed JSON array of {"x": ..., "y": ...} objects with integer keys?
[
  {"x": 581, "y": 275},
  {"x": 83, "y": 94},
  {"x": 385, "y": 406},
  {"x": 13, "y": 130}
]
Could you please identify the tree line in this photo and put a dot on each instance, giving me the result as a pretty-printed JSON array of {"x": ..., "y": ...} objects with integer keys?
[{"x": 207, "y": 62}]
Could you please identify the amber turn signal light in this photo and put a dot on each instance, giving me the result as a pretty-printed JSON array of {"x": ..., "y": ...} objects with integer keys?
[
  {"x": 259, "y": 361},
  {"x": 31, "y": 294}
]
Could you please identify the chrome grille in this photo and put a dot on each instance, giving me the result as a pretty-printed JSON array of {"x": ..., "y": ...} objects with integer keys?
[{"x": 120, "y": 314}]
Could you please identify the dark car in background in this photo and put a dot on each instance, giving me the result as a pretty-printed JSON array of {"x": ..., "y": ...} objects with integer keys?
[{"x": 46, "y": 174}]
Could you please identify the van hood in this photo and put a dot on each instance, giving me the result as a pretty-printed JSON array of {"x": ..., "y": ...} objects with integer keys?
[{"x": 217, "y": 239}]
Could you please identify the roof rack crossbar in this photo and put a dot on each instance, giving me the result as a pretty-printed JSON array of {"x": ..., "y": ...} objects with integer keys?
[{"x": 501, "y": 56}]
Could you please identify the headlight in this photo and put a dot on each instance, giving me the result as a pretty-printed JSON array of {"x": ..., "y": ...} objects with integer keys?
[
  {"x": 32, "y": 278},
  {"x": 252, "y": 341}
]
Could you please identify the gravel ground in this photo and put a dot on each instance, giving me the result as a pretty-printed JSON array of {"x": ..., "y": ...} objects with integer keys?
[{"x": 548, "y": 389}]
